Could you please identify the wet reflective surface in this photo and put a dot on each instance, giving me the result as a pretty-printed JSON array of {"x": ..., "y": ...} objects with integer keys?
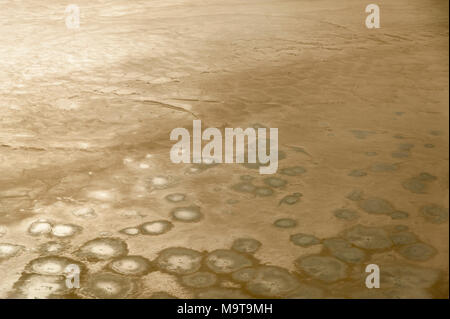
[{"x": 86, "y": 178}]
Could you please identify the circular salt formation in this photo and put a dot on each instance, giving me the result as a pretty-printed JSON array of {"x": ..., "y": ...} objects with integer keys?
[
  {"x": 293, "y": 171},
  {"x": 371, "y": 238},
  {"x": 102, "y": 195},
  {"x": 108, "y": 286},
  {"x": 222, "y": 293},
  {"x": 176, "y": 197},
  {"x": 160, "y": 182},
  {"x": 285, "y": 223},
  {"x": 188, "y": 214},
  {"x": 50, "y": 265},
  {"x": 9, "y": 250},
  {"x": 130, "y": 231},
  {"x": 377, "y": 206},
  {"x": 244, "y": 275},
  {"x": 408, "y": 276},
  {"x": 399, "y": 215},
  {"x": 85, "y": 212},
  {"x": 103, "y": 249},
  {"x": 34, "y": 286},
  {"x": 65, "y": 230},
  {"x": 263, "y": 191},
  {"x": 426, "y": 177},
  {"x": 434, "y": 213},
  {"x": 275, "y": 182},
  {"x": 200, "y": 279},
  {"x": 355, "y": 195},
  {"x": 131, "y": 265},
  {"x": 246, "y": 178},
  {"x": 291, "y": 199},
  {"x": 246, "y": 245},
  {"x": 324, "y": 268},
  {"x": 344, "y": 251},
  {"x": 346, "y": 214},
  {"x": 417, "y": 252},
  {"x": 39, "y": 228},
  {"x": 403, "y": 238},
  {"x": 387, "y": 167},
  {"x": 179, "y": 260},
  {"x": 304, "y": 240},
  {"x": 415, "y": 185},
  {"x": 157, "y": 227},
  {"x": 271, "y": 282},
  {"x": 224, "y": 261},
  {"x": 244, "y": 187}
]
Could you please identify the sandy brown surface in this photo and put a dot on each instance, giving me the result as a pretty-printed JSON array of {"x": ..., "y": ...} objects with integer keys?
[{"x": 363, "y": 114}]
